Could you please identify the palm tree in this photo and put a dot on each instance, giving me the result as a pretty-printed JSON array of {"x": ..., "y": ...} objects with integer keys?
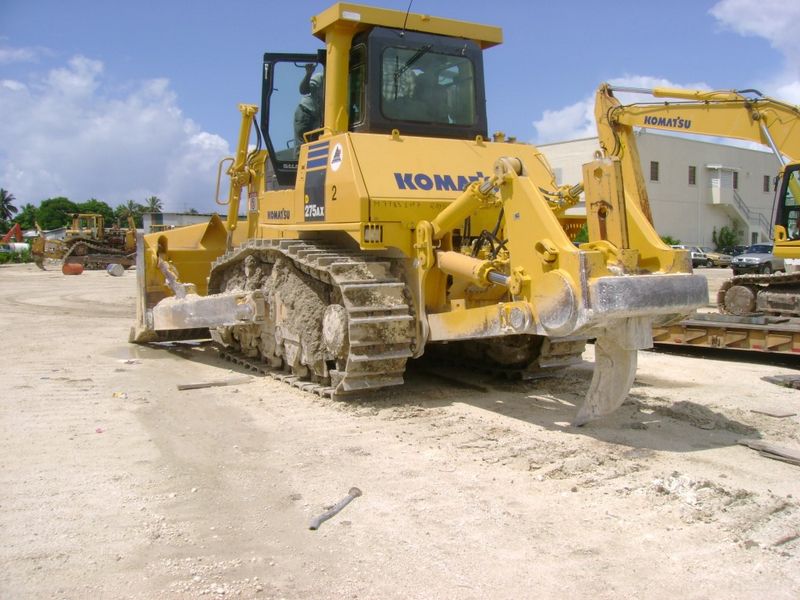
[
  {"x": 7, "y": 208},
  {"x": 133, "y": 208},
  {"x": 153, "y": 204}
]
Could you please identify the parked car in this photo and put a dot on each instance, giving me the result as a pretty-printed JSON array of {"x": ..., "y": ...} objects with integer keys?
[
  {"x": 735, "y": 250},
  {"x": 758, "y": 259},
  {"x": 699, "y": 258},
  {"x": 716, "y": 259}
]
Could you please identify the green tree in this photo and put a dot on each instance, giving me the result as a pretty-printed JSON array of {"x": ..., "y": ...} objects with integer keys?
[
  {"x": 670, "y": 241},
  {"x": 94, "y": 206},
  {"x": 583, "y": 235},
  {"x": 726, "y": 237},
  {"x": 153, "y": 204},
  {"x": 7, "y": 208},
  {"x": 54, "y": 212},
  {"x": 130, "y": 208},
  {"x": 193, "y": 211},
  {"x": 27, "y": 216}
]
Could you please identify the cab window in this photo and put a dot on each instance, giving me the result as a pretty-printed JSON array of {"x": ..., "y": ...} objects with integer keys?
[
  {"x": 420, "y": 85},
  {"x": 357, "y": 84}
]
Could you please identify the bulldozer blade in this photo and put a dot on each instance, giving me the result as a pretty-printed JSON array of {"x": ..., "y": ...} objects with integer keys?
[
  {"x": 39, "y": 262},
  {"x": 616, "y": 351}
]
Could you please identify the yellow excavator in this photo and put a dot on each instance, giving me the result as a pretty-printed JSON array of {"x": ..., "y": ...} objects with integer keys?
[
  {"x": 89, "y": 243},
  {"x": 757, "y": 312},
  {"x": 389, "y": 224}
]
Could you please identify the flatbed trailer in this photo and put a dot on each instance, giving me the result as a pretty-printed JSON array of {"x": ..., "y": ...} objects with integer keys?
[{"x": 766, "y": 334}]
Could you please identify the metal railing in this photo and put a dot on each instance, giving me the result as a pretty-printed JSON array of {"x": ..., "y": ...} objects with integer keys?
[{"x": 753, "y": 217}]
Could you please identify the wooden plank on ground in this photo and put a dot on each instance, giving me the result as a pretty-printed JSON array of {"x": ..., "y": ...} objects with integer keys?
[{"x": 774, "y": 451}]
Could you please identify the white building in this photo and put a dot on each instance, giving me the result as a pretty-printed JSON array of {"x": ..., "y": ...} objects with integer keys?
[
  {"x": 694, "y": 186},
  {"x": 167, "y": 220}
]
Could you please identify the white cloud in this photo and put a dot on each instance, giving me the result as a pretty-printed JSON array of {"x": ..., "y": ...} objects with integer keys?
[
  {"x": 775, "y": 21},
  {"x": 18, "y": 55},
  {"x": 66, "y": 134},
  {"x": 577, "y": 120},
  {"x": 570, "y": 123},
  {"x": 14, "y": 86}
]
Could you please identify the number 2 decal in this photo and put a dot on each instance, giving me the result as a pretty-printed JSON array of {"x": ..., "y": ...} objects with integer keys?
[{"x": 333, "y": 192}]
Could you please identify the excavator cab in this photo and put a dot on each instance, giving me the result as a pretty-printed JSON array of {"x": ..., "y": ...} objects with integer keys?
[
  {"x": 417, "y": 83},
  {"x": 787, "y": 209}
]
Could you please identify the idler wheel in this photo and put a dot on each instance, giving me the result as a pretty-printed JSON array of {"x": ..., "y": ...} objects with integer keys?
[
  {"x": 740, "y": 300},
  {"x": 334, "y": 330}
]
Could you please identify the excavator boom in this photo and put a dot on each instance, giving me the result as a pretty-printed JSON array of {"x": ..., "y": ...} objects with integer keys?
[{"x": 15, "y": 232}]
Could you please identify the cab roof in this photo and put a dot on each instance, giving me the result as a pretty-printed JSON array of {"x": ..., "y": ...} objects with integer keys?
[{"x": 358, "y": 17}]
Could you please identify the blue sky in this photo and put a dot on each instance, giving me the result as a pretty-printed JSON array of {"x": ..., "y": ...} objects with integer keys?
[{"x": 123, "y": 100}]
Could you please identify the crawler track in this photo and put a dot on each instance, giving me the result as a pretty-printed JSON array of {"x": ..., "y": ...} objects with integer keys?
[
  {"x": 98, "y": 256},
  {"x": 363, "y": 310},
  {"x": 367, "y": 317},
  {"x": 259, "y": 366},
  {"x": 787, "y": 284}
]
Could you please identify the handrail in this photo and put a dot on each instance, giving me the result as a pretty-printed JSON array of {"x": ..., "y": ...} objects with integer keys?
[{"x": 752, "y": 216}]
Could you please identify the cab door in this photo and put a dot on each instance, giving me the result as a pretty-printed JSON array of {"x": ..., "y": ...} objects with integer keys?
[{"x": 291, "y": 94}]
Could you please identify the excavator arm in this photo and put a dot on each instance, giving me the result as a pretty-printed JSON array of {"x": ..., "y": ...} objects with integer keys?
[
  {"x": 15, "y": 232},
  {"x": 745, "y": 115}
]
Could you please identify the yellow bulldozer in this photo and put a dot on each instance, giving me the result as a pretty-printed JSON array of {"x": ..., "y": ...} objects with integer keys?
[
  {"x": 389, "y": 224},
  {"x": 89, "y": 243}
]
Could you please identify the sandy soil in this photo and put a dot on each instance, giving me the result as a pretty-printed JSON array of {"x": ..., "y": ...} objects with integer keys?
[{"x": 117, "y": 485}]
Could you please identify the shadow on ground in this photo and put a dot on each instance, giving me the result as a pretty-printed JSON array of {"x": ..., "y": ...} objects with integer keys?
[{"x": 549, "y": 402}]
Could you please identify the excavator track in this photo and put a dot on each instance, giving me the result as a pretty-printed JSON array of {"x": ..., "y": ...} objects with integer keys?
[
  {"x": 738, "y": 294},
  {"x": 361, "y": 340},
  {"x": 757, "y": 313}
]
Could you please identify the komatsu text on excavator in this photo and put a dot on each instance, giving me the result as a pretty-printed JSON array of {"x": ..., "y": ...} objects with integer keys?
[
  {"x": 759, "y": 312},
  {"x": 381, "y": 221}
]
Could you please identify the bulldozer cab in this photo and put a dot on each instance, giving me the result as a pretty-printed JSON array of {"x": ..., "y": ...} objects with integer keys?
[
  {"x": 89, "y": 225},
  {"x": 418, "y": 83}
]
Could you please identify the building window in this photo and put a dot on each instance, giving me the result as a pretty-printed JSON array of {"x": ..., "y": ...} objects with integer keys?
[
  {"x": 653, "y": 170},
  {"x": 766, "y": 183},
  {"x": 692, "y": 175},
  {"x": 736, "y": 180}
]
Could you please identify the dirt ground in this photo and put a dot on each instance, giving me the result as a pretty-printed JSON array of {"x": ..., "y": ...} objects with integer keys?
[{"x": 117, "y": 485}]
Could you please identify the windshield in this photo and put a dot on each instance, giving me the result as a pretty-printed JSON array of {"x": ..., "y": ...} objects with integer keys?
[
  {"x": 789, "y": 213},
  {"x": 425, "y": 86},
  {"x": 760, "y": 248}
]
